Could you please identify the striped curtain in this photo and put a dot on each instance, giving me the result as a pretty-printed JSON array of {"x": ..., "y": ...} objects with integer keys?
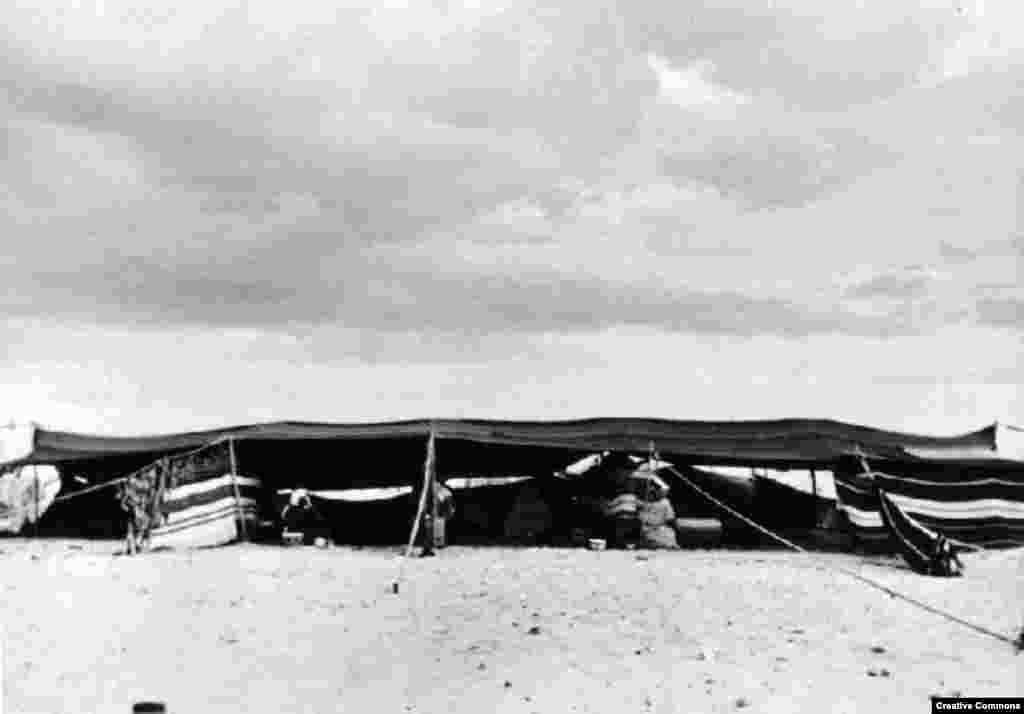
[
  {"x": 965, "y": 506},
  {"x": 193, "y": 500}
]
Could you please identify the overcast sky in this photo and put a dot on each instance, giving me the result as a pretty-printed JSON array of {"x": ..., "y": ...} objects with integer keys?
[{"x": 247, "y": 211}]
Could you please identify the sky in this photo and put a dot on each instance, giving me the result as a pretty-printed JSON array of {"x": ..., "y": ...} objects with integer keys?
[{"x": 233, "y": 212}]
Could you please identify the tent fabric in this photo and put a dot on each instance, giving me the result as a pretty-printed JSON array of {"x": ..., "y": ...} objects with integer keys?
[
  {"x": 788, "y": 441},
  {"x": 190, "y": 501},
  {"x": 1009, "y": 441},
  {"x": 698, "y": 532},
  {"x": 531, "y": 516},
  {"x": 282, "y": 453},
  {"x": 26, "y": 493},
  {"x": 926, "y": 551},
  {"x": 973, "y": 506}
]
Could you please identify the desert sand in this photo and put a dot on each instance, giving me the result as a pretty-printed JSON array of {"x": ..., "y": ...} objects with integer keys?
[{"x": 257, "y": 629}]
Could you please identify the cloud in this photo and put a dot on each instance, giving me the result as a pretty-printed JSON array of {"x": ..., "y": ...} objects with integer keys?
[
  {"x": 469, "y": 172},
  {"x": 395, "y": 175},
  {"x": 896, "y": 286},
  {"x": 810, "y": 54},
  {"x": 1006, "y": 312},
  {"x": 405, "y": 294},
  {"x": 694, "y": 88}
]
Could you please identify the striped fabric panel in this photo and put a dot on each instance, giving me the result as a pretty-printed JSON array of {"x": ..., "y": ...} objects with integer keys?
[
  {"x": 193, "y": 494},
  {"x": 916, "y": 543},
  {"x": 199, "y": 510},
  {"x": 206, "y": 513},
  {"x": 217, "y": 529},
  {"x": 215, "y": 524},
  {"x": 967, "y": 490},
  {"x": 200, "y": 466},
  {"x": 977, "y": 509},
  {"x": 867, "y": 520},
  {"x": 198, "y": 489}
]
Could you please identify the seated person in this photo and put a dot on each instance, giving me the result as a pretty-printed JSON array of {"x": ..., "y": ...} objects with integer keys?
[{"x": 301, "y": 516}]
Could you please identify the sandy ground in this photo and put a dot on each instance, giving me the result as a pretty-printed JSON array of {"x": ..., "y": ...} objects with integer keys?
[{"x": 264, "y": 629}]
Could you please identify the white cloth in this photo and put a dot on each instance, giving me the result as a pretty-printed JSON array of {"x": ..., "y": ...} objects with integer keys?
[{"x": 299, "y": 497}]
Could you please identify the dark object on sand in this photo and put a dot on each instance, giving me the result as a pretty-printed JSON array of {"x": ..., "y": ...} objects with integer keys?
[
  {"x": 698, "y": 532},
  {"x": 149, "y": 708},
  {"x": 926, "y": 551}
]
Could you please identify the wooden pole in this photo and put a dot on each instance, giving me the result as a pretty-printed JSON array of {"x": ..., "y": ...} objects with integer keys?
[
  {"x": 421, "y": 507},
  {"x": 814, "y": 492},
  {"x": 430, "y": 478},
  {"x": 35, "y": 491},
  {"x": 238, "y": 494}
]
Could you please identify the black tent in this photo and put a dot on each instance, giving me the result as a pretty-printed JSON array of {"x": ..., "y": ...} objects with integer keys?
[{"x": 347, "y": 456}]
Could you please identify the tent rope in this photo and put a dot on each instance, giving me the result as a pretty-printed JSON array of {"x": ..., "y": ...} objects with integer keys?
[
  {"x": 852, "y": 573},
  {"x": 122, "y": 479},
  {"x": 89, "y": 489}
]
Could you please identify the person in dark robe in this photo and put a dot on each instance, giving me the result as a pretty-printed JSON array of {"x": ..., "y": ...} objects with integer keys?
[
  {"x": 945, "y": 562},
  {"x": 445, "y": 513},
  {"x": 301, "y": 516},
  {"x": 434, "y": 532}
]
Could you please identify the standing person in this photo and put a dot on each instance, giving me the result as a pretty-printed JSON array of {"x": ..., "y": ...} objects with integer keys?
[
  {"x": 141, "y": 496},
  {"x": 445, "y": 512},
  {"x": 434, "y": 530}
]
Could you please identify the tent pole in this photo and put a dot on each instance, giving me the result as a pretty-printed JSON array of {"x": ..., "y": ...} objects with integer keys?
[
  {"x": 35, "y": 490},
  {"x": 431, "y": 480},
  {"x": 814, "y": 492},
  {"x": 420, "y": 516},
  {"x": 238, "y": 494}
]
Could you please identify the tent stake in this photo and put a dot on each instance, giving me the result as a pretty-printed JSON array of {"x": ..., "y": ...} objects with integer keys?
[{"x": 238, "y": 493}]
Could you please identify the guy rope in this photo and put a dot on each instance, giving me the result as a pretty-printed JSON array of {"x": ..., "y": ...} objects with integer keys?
[{"x": 1016, "y": 642}]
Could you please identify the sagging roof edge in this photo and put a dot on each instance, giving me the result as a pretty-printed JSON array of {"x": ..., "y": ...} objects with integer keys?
[{"x": 796, "y": 441}]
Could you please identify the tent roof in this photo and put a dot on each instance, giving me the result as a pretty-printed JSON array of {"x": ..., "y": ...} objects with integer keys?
[{"x": 786, "y": 442}]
